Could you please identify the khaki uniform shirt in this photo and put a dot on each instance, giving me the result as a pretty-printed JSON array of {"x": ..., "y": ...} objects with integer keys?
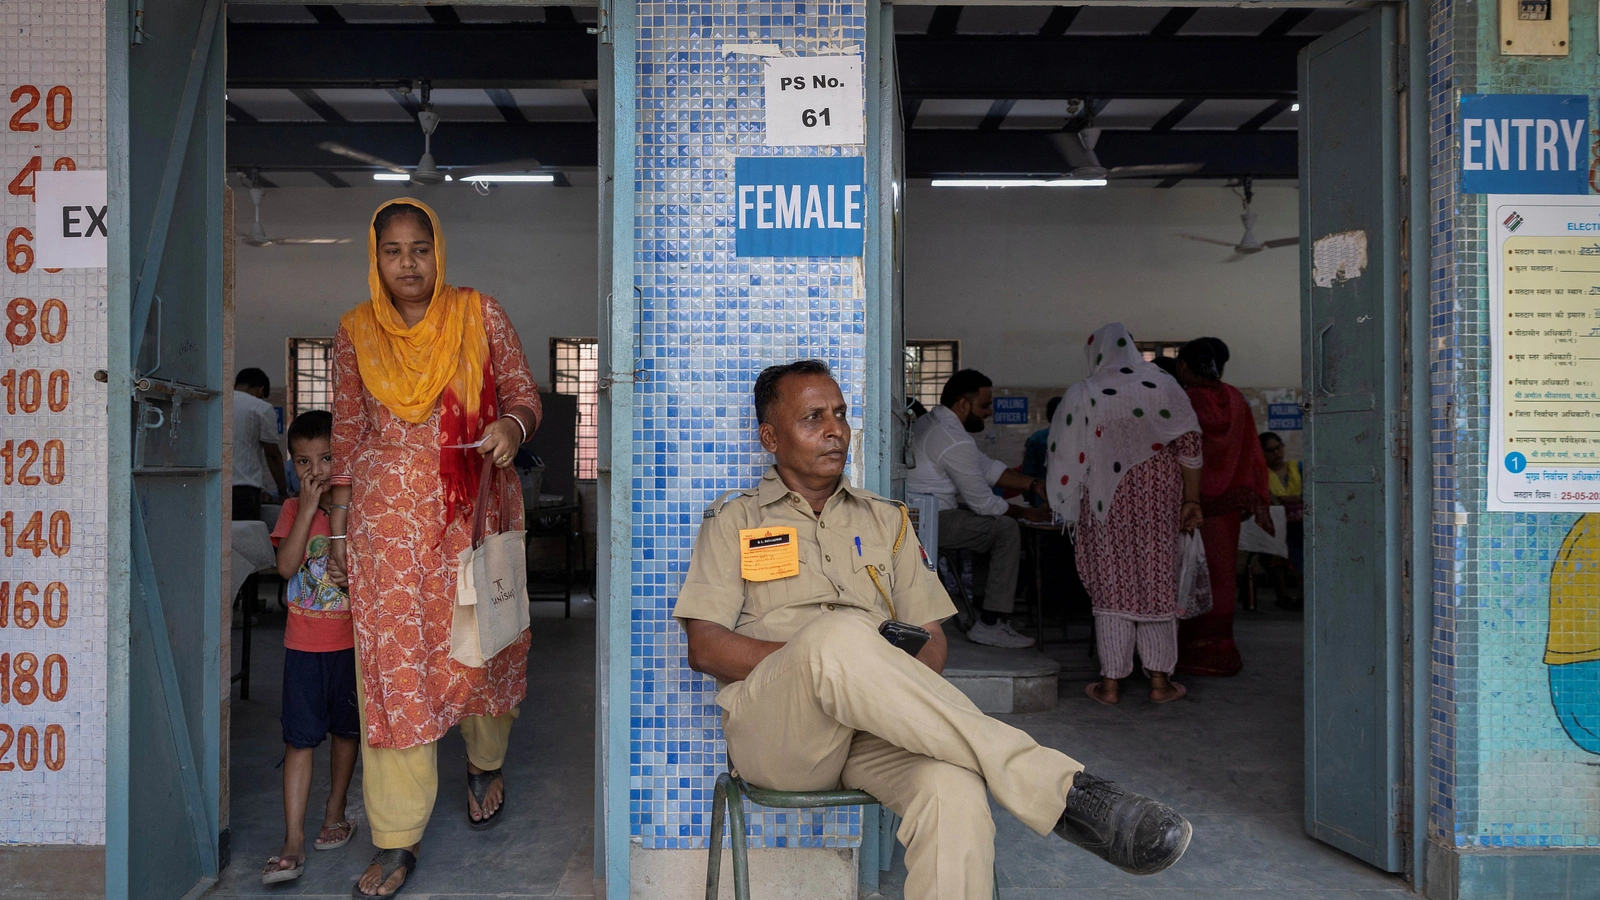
[{"x": 832, "y": 574}]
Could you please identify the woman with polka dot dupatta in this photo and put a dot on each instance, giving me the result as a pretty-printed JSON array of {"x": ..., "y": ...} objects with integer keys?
[{"x": 1125, "y": 471}]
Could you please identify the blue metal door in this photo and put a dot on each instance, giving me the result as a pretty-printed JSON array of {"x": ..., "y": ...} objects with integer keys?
[
  {"x": 1350, "y": 281},
  {"x": 167, "y": 161}
]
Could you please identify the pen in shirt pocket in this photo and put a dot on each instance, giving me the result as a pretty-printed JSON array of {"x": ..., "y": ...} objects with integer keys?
[{"x": 858, "y": 545}]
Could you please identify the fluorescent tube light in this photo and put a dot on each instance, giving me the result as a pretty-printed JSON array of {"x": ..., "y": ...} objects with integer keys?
[
  {"x": 536, "y": 179},
  {"x": 390, "y": 176},
  {"x": 1018, "y": 182}
]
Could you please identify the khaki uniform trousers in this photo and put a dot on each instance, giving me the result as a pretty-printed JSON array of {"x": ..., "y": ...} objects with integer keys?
[
  {"x": 998, "y": 541},
  {"x": 400, "y": 786},
  {"x": 840, "y": 705}
]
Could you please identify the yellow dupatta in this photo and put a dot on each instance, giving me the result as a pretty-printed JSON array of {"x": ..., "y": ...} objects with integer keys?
[{"x": 442, "y": 359}]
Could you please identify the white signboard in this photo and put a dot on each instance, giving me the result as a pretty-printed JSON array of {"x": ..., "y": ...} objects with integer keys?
[
  {"x": 70, "y": 219},
  {"x": 53, "y": 444},
  {"x": 1544, "y": 338},
  {"x": 814, "y": 101}
]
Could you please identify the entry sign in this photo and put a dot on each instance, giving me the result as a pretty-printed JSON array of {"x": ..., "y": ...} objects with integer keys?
[
  {"x": 799, "y": 206},
  {"x": 814, "y": 101},
  {"x": 1011, "y": 410},
  {"x": 70, "y": 220},
  {"x": 1525, "y": 144}
]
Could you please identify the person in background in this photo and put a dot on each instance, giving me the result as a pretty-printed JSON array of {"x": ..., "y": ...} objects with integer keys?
[
  {"x": 950, "y": 466},
  {"x": 1036, "y": 452},
  {"x": 1168, "y": 365},
  {"x": 1233, "y": 487},
  {"x": 1285, "y": 485},
  {"x": 430, "y": 386},
  {"x": 319, "y": 657},
  {"x": 1125, "y": 468},
  {"x": 255, "y": 445}
]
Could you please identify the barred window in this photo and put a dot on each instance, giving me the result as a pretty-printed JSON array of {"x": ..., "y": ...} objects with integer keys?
[
  {"x": 310, "y": 371},
  {"x": 574, "y": 369},
  {"x": 929, "y": 364},
  {"x": 1153, "y": 349}
]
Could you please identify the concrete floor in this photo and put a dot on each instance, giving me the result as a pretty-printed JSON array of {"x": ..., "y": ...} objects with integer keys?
[
  {"x": 1228, "y": 757},
  {"x": 543, "y": 849}
]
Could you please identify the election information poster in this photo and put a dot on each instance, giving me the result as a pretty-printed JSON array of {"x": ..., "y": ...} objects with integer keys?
[{"x": 1544, "y": 309}]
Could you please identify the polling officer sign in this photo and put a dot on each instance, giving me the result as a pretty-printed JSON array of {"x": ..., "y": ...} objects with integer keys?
[
  {"x": 1011, "y": 410},
  {"x": 799, "y": 206},
  {"x": 1525, "y": 144},
  {"x": 814, "y": 101}
]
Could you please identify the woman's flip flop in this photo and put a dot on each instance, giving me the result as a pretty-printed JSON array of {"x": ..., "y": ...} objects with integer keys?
[
  {"x": 1093, "y": 690},
  {"x": 478, "y": 785},
  {"x": 276, "y": 874},
  {"x": 1178, "y": 693},
  {"x": 388, "y": 863},
  {"x": 348, "y": 829}
]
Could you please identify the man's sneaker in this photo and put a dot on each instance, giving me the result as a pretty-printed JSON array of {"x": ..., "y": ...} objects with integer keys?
[
  {"x": 1132, "y": 832},
  {"x": 1000, "y": 634}
]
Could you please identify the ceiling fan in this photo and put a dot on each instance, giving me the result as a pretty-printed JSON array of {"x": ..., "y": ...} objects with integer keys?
[
  {"x": 1077, "y": 147},
  {"x": 426, "y": 171},
  {"x": 1249, "y": 243},
  {"x": 257, "y": 235}
]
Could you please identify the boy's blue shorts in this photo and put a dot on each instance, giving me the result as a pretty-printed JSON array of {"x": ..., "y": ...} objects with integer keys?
[{"x": 319, "y": 697}]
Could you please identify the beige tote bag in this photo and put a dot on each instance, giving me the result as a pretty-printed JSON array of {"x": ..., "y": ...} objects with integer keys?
[{"x": 491, "y": 583}]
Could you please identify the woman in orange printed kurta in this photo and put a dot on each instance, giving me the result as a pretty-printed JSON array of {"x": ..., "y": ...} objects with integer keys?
[{"x": 421, "y": 367}]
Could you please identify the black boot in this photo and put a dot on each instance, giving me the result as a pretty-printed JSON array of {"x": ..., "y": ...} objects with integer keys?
[{"x": 1132, "y": 832}]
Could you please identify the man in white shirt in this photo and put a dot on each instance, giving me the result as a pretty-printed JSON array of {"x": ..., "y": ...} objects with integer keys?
[
  {"x": 950, "y": 466},
  {"x": 255, "y": 444}
]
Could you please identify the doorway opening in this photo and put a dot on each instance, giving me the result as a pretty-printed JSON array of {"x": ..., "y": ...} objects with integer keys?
[
  {"x": 1069, "y": 167},
  {"x": 488, "y": 115}
]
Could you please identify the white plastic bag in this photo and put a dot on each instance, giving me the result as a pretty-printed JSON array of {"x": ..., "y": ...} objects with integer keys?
[
  {"x": 1254, "y": 539},
  {"x": 1194, "y": 581}
]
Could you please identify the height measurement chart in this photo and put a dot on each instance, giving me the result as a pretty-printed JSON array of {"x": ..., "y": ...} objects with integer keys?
[
  {"x": 52, "y": 435},
  {"x": 1544, "y": 299}
]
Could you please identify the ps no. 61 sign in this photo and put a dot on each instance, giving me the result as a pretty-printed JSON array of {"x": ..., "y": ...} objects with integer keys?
[{"x": 814, "y": 101}]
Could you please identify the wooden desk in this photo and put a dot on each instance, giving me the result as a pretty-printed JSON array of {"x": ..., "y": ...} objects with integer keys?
[{"x": 1050, "y": 543}]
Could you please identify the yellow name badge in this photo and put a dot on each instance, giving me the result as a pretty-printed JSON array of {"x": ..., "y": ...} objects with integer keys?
[{"x": 767, "y": 554}]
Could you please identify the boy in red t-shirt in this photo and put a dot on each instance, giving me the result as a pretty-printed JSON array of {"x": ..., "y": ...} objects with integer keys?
[{"x": 319, "y": 667}]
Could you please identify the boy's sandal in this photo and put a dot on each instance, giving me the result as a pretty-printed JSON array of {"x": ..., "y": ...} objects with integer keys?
[
  {"x": 347, "y": 829},
  {"x": 277, "y": 874},
  {"x": 478, "y": 785},
  {"x": 388, "y": 863}
]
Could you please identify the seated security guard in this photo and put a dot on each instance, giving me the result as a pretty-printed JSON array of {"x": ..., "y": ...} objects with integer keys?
[{"x": 787, "y": 590}]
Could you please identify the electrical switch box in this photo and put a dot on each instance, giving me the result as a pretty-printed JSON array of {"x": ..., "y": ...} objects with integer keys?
[{"x": 1534, "y": 28}]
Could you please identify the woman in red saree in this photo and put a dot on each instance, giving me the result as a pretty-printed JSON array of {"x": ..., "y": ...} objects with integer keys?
[{"x": 1233, "y": 487}]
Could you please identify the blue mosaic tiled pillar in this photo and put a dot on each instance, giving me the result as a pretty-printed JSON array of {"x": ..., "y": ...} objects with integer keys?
[
  {"x": 708, "y": 323},
  {"x": 1504, "y": 776}
]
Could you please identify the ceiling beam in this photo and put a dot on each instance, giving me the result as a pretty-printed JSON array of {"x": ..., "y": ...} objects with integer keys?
[
  {"x": 1173, "y": 21},
  {"x": 1177, "y": 114},
  {"x": 1225, "y": 154},
  {"x": 944, "y": 21},
  {"x": 293, "y": 145},
  {"x": 1059, "y": 21},
  {"x": 511, "y": 55},
  {"x": 996, "y": 116},
  {"x": 1285, "y": 22},
  {"x": 318, "y": 105},
  {"x": 1273, "y": 110},
  {"x": 982, "y": 67},
  {"x": 325, "y": 14}
]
